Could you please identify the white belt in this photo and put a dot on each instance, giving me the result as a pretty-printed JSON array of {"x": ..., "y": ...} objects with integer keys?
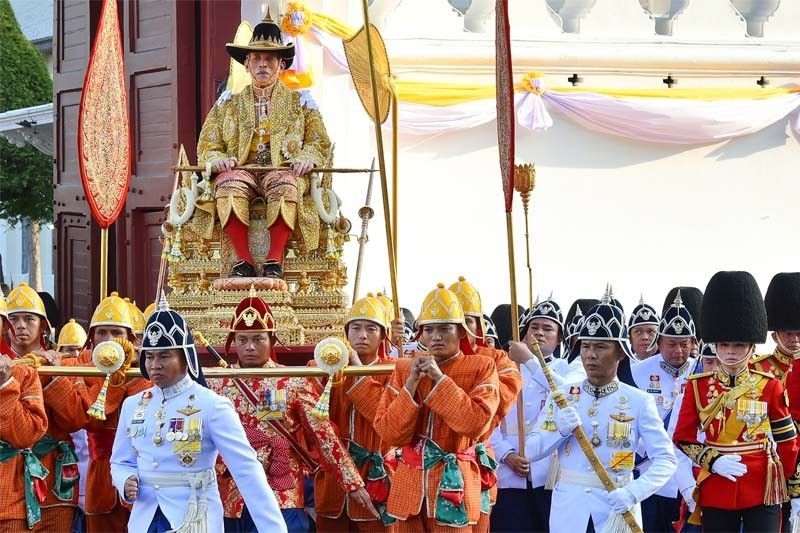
[
  {"x": 194, "y": 521},
  {"x": 590, "y": 479}
]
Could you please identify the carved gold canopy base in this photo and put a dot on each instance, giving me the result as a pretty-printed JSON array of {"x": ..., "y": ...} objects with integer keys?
[{"x": 309, "y": 304}]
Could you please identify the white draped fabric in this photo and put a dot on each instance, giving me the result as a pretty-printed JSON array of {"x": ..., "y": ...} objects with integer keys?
[{"x": 680, "y": 121}]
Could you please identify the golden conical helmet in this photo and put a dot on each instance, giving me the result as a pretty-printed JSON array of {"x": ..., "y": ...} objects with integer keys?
[
  {"x": 441, "y": 306},
  {"x": 138, "y": 321},
  {"x": 468, "y": 296},
  {"x": 149, "y": 310},
  {"x": 71, "y": 334},
  {"x": 387, "y": 304},
  {"x": 369, "y": 308},
  {"x": 112, "y": 311},
  {"x": 23, "y": 299}
]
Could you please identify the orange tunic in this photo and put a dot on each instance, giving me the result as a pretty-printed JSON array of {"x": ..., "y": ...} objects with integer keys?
[
  {"x": 63, "y": 402},
  {"x": 101, "y": 496},
  {"x": 283, "y": 466},
  {"x": 353, "y": 405},
  {"x": 510, "y": 381},
  {"x": 510, "y": 384},
  {"x": 453, "y": 413},
  {"x": 22, "y": 424}
]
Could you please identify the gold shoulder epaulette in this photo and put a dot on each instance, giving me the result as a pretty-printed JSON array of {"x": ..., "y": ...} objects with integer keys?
[
  {"x": 759, "y": 358},
  {"x": 701, "y": 375},
  {"x": 769, "y": 375}
]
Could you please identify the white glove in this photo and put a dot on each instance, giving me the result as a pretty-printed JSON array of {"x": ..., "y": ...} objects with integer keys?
[
  {"x": 795, "y": 506},
  {"x": 687, "y": 497},
  {"x": 567, "y": 419},
  {"x": 621, "y": 500},
  {"x": 729, "y": 466}
]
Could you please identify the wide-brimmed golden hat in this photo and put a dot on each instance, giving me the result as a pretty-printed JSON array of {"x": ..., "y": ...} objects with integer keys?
[
  {"x": 441, "y": 306},
  {"x": 24, "y": 299},
  {"x": 266, "y": 37}
]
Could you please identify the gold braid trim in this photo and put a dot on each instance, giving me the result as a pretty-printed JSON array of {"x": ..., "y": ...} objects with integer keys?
[{"x": 700, "y": 455}]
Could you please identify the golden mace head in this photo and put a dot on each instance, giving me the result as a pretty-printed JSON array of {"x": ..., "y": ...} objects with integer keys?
[{"x": 524, "y": 181}]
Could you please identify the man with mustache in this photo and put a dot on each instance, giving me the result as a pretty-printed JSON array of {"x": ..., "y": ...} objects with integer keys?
[
  {"x": 750, "y": 445},
  {"x": 266, "y": 124}
]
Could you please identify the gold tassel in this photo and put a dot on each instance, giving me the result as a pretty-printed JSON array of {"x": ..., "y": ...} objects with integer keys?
[
  {"x": 98, "y": 408},
  {"x": 775, "y": 491},
  {"x": 322, "y": 409},
  {"x": 552, "y": 472}
]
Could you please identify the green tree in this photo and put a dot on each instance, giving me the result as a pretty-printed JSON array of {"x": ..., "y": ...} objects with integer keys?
[{"x": 26, "y": 174}]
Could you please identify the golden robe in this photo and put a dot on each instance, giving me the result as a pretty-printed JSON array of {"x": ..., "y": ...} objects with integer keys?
[{"x": 296, "y": 134}]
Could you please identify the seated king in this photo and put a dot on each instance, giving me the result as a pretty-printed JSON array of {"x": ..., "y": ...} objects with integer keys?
[{"x": 264, "y": 125}]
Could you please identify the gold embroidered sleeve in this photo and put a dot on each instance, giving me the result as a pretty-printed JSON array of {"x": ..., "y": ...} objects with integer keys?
[
  {"x": 333, "y": 456},
  {"x": 703, "y": 456},
  {"x": 211, "y": 144},
  {"x": 316, "y": 144}
]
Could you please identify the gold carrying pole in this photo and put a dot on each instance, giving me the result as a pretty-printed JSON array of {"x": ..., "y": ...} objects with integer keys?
[
  {"x": 394, "y": 172},
  {"x": 390, "y": 243},
  {"x": 524, "y": 182},
  {"x": 219, "y": 372},
  {"x": 103, "y": 263},
  {"x": 580, "y": 435},
  {"x": 256, "y": 168},
  {"x": 512, "y": 277}
]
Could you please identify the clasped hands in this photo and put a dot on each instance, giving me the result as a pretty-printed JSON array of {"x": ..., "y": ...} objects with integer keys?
[{"x": 422, "y": 366}]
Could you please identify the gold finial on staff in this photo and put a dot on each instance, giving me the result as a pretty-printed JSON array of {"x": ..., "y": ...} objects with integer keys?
[{"x": 524, "y": 182}]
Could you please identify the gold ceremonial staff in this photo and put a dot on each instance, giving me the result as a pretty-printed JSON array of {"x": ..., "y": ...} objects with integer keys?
[{"x": 217, "y": 372}]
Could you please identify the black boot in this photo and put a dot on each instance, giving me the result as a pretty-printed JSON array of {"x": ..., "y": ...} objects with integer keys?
[
  {"x": 243, "y": 269},
  {"x": 272, "y": 269}
]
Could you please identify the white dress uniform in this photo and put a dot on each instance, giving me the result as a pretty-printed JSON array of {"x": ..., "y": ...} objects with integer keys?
[
  {"x": 170, "y": 439},
  {"x": 505, "y": 438},
  {"x": 616, "y": 420},
  {"x": 665, "y": 384}
]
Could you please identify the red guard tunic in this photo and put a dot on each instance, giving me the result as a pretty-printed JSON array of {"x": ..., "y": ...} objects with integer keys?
[
  {"x": 288, "y": 401},
  {"x": 776, "y": 363},
  {"x": 738, "y": 415}
]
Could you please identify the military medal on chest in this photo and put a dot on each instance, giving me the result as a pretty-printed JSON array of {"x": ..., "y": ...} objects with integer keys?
[
  {"x": 187, "y": 434},
  {"x": 137, "y": 425},
  {"x": 272, "y": 404},
  {"x": 754, "y": 414},
  {"x": 158, "y": 438}
]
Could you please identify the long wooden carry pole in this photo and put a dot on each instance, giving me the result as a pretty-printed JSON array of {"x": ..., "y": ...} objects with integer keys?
[
  {"x": 219, "y": 372},
  {"x": 583, "y": 440}
]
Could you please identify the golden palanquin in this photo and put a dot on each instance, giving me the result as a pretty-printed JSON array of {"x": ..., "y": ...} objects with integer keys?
[{"x": 309, "y": 306}]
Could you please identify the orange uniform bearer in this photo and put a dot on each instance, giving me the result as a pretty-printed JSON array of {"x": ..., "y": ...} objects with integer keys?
[
  {"x": 353, "y": 405},
  {"x": 510, "y": 381},
  {"x": 436, "y": 408},
  {"x": 22, "y": 424},
  {"x": 104, "y": 510}
]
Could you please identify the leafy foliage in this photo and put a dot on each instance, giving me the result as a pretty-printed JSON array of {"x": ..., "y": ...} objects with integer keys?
[{"x": 26, "y": 175}]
